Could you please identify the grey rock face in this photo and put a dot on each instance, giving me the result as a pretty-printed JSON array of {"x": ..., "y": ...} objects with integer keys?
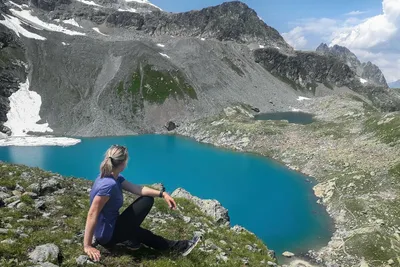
[
  {"x": 43, "y": 253},
  {"x": 11, "y": 73},
  {"x": 49, "y": 5},
  {"x": 211, "y": 207},
  {"x": 305, "y": 69},
  {"x": 373, "y": 74}
]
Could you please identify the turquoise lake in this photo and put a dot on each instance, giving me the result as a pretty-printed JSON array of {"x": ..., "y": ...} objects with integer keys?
[{"x": 275, "y": 203}]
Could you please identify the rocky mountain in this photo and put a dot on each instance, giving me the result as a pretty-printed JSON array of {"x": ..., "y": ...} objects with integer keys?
[
  {"x": 395, "y": 84},
  {"x": 368, "y": 73},
  {"x": 90, "y": 68}
]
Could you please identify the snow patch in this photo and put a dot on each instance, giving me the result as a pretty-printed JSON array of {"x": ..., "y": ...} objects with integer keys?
[
  {"x": 24, "y": 112},
  {"x": 277, "y": 47},
  {"x": 203, "y": 39},
  {"x": 72, "y": 22},
  {"x": 132, "y": 10},
  {"x": 296, "y": 110},
  {"x": 261, "y": 46},
  {"x": 64, "y": 43},
  {"x": 363, "y": 81},
  {"x": 14, "y": 24},
  {"x": 160, "y": 45},
  {"x": 28, "y": 18},
  {"x": 301, "y": 98},
  {"x": 39, "y": 141},
  {"x": 164, "y": 55},
  {"x": 90, "y": 3},
  {"x": 97, "y": 30}
]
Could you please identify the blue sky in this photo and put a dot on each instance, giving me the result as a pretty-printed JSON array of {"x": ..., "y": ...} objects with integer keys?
[{"x": 369, "y": 28}]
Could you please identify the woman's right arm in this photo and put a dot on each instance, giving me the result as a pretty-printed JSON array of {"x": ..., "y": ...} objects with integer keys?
[{"x": 94, "y": 211}]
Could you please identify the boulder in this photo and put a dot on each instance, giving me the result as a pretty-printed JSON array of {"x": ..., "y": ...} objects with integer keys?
[
  {"x": 35, "y": 188},
  {"x": 212, "y": 208},
  {"x": 50, "y": 186},
  {"x": 170, "y": 126},
  {"x": 44, "y": 253}
]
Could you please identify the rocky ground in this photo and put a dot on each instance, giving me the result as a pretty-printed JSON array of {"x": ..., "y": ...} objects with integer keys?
[
  {"x": 352, "y": 150},
  {"x": 42, "y": 218}
]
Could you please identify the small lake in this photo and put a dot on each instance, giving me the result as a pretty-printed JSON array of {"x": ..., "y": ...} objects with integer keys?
[
  {"x": 291, "y": 117},
  {"x": 275, "y": 203}
]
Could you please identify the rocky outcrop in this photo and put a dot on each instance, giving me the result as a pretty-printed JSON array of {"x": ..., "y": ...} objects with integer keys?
[
  {"x": 212, "y": 208},
  {"x": 370, "y": 73}
]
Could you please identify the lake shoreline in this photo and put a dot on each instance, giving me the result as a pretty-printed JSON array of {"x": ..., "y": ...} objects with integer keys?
[{"x": 333, "y": 147}]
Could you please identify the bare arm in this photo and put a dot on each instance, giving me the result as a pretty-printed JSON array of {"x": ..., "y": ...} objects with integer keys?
[
  {"x": 94, "y": 211},
  {"x": 139, "y": 190},
  {"x": 146, "y": 191}
]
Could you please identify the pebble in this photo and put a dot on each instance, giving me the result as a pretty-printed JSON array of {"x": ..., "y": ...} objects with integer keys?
[{"x": 186, "y": 219}]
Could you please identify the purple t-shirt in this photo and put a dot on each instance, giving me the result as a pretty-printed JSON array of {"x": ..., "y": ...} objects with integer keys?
[{"x": 112, "y": 188}]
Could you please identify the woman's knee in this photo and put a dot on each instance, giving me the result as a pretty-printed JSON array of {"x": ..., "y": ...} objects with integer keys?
[{"x": 145, "y": 200}]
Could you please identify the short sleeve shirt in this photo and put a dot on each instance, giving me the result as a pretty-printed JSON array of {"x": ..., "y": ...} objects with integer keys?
[{"x": 107, "y": 186}]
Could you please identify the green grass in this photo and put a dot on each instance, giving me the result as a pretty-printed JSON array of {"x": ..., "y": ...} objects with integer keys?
[
  {"x": 66, "y": 224},
  {"x": 395, "y": 171},
  {"x": 156, "y": 86},
  {"x": 386, "y": 129},
  {"x": 27, "y": 199},
  {"x": 159, "y": 85},
  {"x": 136, "y": 83}
]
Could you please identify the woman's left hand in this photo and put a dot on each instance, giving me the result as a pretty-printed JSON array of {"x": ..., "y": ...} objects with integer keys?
[{"x": 170, "y": 201}]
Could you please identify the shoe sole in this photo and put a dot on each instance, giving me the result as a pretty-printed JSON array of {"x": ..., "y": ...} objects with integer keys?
[{"x": 187, "y": 252}]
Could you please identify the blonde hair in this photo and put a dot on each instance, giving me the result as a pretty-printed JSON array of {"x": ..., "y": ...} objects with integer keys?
[{"x": 114, "y": 157}]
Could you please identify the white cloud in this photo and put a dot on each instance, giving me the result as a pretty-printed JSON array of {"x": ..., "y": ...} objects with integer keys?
[
  {"x": 372, "y": 39},
  {"x": 306, "y": 27},
  {"x": 355, "y": 13},
  {"x": 295, "y": 38}
]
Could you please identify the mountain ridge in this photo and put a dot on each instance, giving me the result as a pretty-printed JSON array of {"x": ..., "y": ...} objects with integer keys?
[{"x": 94, "y": 66}]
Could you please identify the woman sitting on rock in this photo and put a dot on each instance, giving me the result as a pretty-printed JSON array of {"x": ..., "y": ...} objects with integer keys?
[{"x": 109, "y": 227}]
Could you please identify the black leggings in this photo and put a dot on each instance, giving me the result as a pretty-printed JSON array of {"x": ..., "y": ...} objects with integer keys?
[{"x": 128, "y": 227}]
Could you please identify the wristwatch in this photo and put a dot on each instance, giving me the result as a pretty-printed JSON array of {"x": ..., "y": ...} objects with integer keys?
[{"x": 162, "y": 191}]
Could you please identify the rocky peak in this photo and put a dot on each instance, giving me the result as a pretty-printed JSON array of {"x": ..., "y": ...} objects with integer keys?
[
  {"x": 341, "y": 52},
  {"x": 367, "y": 72}
]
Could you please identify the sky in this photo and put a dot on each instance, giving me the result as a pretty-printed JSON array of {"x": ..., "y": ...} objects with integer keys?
[{"x": 369, "y": 28}]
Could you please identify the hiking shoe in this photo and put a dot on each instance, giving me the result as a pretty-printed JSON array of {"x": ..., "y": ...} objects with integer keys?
[{"x": 189, "y": 245}]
